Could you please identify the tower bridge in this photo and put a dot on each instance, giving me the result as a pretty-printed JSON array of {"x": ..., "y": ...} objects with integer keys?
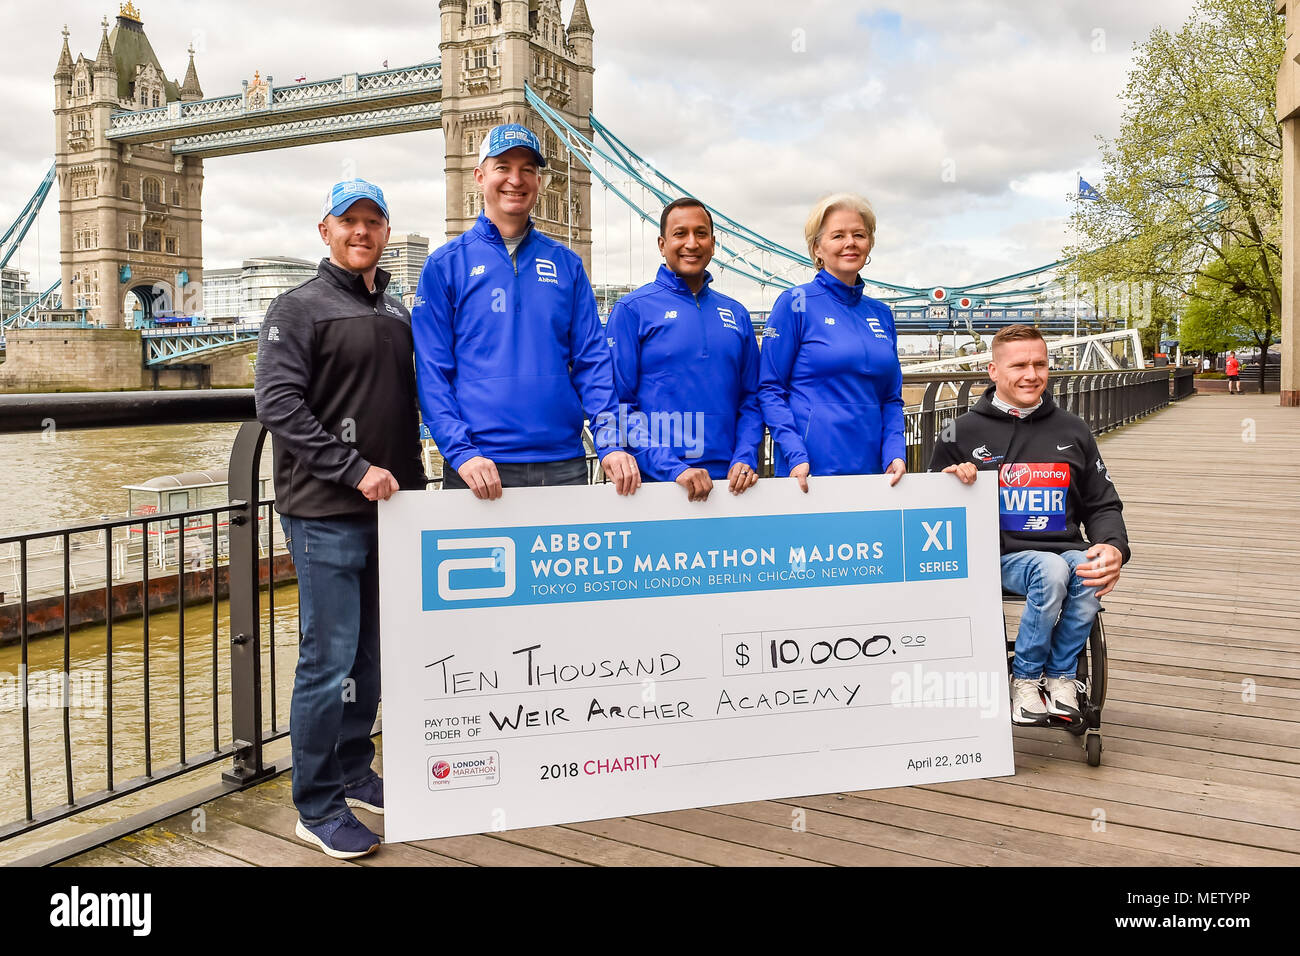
[
  {"x": 130, "y": 147},
  {"x": 264, "y": 116},
  {"x": 130, "y": 143}
]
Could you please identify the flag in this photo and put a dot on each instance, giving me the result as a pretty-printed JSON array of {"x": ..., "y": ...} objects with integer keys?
[
  {"x": 385, "y": 64},
  {"x": 299, "y": 79},
  {"x": 1086, "y": 191}
]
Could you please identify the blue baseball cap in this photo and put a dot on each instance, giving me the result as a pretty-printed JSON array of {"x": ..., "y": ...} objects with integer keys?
[
  {"x": 507, "y": 136},
  {"x": 344, "y": 194}
]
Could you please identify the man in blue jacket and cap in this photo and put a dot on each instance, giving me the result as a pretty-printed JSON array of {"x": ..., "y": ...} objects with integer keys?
[{"x": 509, "y": 349}]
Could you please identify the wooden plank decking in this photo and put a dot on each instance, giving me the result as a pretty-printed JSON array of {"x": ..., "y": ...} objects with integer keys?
[{"x": 1202, "y": 723}]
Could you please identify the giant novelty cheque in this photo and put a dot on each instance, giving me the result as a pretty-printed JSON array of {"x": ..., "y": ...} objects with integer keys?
[{"x": 565, "y": 654}]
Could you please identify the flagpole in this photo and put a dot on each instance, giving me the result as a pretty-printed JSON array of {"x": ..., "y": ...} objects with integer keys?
[{"x": 1078, "y": 187}]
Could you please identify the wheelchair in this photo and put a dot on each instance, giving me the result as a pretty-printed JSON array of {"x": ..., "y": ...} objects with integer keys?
[{"x": 1090, "y": 674}]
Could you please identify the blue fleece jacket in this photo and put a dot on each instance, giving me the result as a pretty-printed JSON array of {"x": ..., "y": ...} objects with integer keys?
[
  {"x": 831, "y": 386},
  {"x": 689, "y": 363},
  {"x": 509, "y": 355}
]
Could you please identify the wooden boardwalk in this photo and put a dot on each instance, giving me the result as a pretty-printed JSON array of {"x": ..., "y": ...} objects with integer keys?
[{"x": 1202, "y": 722}]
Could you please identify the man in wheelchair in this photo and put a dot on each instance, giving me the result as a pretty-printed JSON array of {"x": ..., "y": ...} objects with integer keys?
[{"x": 1050, "y": 479}]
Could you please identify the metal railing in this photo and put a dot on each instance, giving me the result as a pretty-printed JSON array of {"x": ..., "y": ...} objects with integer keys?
[
  {"x": 1104, "y": 400},
  {"x": 226, "y": 711},
  {"x": 255, "y": 677}
]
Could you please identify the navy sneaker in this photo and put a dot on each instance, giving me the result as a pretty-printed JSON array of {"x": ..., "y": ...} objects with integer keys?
[
  {"x": 367, "y": 796},
  {"x": 344, "y": 838}
]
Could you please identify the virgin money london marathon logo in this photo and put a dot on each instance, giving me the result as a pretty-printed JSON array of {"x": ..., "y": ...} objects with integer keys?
[{"x": 464, "y": 770}]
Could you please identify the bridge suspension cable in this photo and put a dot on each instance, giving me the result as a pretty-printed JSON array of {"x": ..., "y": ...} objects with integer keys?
[
  {"x": 744, "y": 251},
  {"x": 588, "y": 152},
  {"x": 27, "y": 314},
  {"x": 18, "y": 230},
  {"x": 10, "y": 244}
]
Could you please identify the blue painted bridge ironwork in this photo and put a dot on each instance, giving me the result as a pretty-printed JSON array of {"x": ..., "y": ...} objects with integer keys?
[{"x": 196, "y": 345}]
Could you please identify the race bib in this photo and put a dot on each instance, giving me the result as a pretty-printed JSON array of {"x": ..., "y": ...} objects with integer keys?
[{"x": 1031, "y": 496}]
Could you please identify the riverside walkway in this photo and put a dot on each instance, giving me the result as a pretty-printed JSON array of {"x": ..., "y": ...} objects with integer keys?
[{"x": 1201, "y": 724}]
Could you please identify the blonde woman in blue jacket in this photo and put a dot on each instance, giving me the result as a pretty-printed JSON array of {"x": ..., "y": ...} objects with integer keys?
[{"x": 831, "y": 387}]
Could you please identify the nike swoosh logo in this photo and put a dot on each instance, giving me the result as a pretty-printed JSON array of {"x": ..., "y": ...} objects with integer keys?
[{"x": 1064, "y": 447}]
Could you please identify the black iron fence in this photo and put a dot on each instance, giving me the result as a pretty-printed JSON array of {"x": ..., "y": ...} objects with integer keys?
[
  {"x": 235, "y": 713},
  {"x": 119, "y": 729}
]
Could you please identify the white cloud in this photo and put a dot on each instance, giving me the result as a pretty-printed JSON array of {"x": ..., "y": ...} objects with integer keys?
[{"x": 758, "y": 109}]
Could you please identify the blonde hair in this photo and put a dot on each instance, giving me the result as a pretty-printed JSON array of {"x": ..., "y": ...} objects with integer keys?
[{"x": 812, "y": 229}]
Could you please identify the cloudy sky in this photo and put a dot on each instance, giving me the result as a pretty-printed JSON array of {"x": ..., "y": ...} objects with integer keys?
[{"x": 964, "y": 121}]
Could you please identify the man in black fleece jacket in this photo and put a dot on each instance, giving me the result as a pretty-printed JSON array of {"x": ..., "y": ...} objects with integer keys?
[
  {"x": 336, "y": 388},
  {"x": 1050, "y": 480}
]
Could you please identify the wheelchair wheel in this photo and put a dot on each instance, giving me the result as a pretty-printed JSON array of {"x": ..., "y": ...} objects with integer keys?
[
  {"x": 1093, "y": 744},
  {"x": 1097, "y": 655}
]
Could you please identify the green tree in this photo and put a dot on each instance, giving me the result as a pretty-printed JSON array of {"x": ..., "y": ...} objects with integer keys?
[
  {"x": 1191, "y": 200},
  {"x": 1201, "y": 331},
  {"x": 1220, "y": 315}
]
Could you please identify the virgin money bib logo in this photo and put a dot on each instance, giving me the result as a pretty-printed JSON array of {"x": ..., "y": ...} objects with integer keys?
[{"x": 1032, "y": 496}]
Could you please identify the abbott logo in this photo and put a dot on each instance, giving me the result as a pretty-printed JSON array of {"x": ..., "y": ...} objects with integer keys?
[
  {"x": 500, "y": 558},
  {"x": 546, "y": 271}
]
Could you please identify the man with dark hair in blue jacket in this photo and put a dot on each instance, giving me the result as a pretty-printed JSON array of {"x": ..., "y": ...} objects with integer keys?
[
  {"x": 509, "y": 350},
  {"x": 686, "y": 365}
]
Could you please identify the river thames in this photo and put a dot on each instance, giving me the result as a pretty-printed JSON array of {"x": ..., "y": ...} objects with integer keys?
[{"x": 65, "y": 477}]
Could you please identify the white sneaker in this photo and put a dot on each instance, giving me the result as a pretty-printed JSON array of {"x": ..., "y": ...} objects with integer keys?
[
  {"x": 1063, "y": 697},
  {"x": 1027, "y": 702}
]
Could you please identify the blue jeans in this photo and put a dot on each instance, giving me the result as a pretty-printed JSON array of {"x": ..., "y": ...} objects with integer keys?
[
  {"x": 528, "y": 474},
  {"x": 336, "y": 685},
  {"x": 1059, "y": 611}
]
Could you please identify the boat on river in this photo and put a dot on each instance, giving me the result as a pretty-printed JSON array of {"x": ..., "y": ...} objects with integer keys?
[{"x": 185, "y": 556}]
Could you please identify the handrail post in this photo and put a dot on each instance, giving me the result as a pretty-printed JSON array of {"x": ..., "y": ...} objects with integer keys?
[
  {"x": 963, "y": 397},
  {"x": 928, "y": 423},
  {"x": 245, "y": 621}
]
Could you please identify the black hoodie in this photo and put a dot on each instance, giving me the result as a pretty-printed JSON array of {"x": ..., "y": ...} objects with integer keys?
[
  {"x": 1050, "y": 476},
  {"x": 335, "y": 387}
]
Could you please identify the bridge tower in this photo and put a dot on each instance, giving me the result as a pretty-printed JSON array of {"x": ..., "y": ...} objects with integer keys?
[
  {"x": 129, "y": 216},
  {"x": 490, "y": 50}
]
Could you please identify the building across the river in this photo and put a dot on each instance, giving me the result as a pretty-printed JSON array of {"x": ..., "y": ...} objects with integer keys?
[
  {"x": 403, "y": 258},
  {"x": 243, "y": 294},
  {"x": 16, "y": 292}
]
